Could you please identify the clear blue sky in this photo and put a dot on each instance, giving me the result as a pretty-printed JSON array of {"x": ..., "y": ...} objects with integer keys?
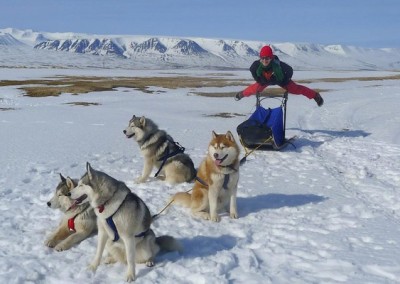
[{"x": 368, "y": 23}]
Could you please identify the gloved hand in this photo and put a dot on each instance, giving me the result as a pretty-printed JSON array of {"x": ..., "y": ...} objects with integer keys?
[{"x": 238, "y": 96}]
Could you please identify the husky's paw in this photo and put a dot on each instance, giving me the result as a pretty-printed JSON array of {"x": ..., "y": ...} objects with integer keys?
[
  {"x": 203, "y": 215},
  {"x": 140, "y": 180},
  {"x": 159, "y": 177},
  {"x": 150, "y": 263},
  {"x": 93, "y": 266},
  {"x": 109, "y": 260},
  {"x": 234, "y": 215},
  {"x": 215, "y": 218},
  {"x": 61, "y": 247},
  {"x": 130, "y": 276},
  {"x": 51, "y": 243}
]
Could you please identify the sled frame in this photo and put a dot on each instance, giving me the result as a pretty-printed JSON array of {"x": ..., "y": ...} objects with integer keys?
[{"x": 269, "y": 143}]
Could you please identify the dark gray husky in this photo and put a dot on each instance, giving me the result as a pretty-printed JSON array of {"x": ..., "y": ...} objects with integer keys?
[{"x": 161, "y": 151}]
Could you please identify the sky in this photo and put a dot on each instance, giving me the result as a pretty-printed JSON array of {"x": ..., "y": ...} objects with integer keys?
[
  {"x": 323, "y": 210},
  {"x": 366, "y": 23}
]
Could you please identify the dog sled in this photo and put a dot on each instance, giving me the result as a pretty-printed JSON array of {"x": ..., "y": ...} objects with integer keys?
[{"x": 265, "y": 128}]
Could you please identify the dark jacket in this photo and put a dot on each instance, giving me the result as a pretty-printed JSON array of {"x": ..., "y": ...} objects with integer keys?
[{"x": 287, "y": 71}]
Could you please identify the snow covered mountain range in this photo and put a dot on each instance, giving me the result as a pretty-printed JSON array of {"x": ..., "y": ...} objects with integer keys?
[{"x": 128, "y": 51}]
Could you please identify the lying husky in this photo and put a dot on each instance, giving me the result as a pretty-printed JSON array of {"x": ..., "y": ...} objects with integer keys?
[
  {"x": 123, "y": 221},
  {"x": 216, "y": 183},
  {"x": 76, "y": 225},
  {"x": 159, "y": 150}
]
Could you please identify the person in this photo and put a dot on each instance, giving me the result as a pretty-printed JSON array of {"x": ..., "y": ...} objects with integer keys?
[{"x": 269, "y": 70}]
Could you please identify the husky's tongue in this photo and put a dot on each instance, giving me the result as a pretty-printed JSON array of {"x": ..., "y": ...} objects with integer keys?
[
  {"x": 218, "y": 162},
  {"x": 77, "y": 202},
  {"x": 73, "y": 206}
]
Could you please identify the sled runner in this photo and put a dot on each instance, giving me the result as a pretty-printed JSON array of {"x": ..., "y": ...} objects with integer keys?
[{"x": 265, "y": 128}]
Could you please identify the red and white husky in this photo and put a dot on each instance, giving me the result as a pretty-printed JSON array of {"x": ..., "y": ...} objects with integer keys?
[{"x": 215, "y": 187}]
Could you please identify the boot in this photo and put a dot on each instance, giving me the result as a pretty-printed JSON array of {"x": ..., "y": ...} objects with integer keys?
[
  {"x": 238, "y": 96},
  {"x": 319, "y": 100}
]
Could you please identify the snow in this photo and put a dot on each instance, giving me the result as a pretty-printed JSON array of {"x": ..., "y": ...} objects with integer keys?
[{"x": 324, "y": 211}]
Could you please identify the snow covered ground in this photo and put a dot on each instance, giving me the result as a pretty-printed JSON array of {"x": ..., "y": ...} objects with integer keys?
[{"x": 326, "y": 211}]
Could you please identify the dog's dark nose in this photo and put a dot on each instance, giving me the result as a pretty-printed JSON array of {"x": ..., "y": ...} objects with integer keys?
[
  {"x": 216, "y": 155},
  {"x": 49, "y": 204},
  {"x": 124, "y": 131}
]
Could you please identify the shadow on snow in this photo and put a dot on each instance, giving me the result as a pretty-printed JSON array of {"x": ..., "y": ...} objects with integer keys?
[{"x": 304, "y": 141}]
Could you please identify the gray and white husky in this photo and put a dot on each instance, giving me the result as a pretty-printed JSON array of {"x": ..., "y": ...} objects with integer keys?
[
  {"x": 77, "y": 224},
  {"x": 159, "y": 150},
  {"x": 123, "y": 221}
]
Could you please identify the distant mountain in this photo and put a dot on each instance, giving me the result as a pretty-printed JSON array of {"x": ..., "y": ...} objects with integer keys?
[
  {"x": 150, "y": 45},
  {"x": 91, "y": 46},
  {"x": 152, "y": 52},
  {"x": 8, "y": 40}
]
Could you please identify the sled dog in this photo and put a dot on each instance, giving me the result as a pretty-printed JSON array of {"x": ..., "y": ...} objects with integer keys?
[
  {"x": 123, "y": 221},
  {"x": 159, "y": 150},
  {"x": 76, "y": 225},
  {"x": 215, "y": 186}
]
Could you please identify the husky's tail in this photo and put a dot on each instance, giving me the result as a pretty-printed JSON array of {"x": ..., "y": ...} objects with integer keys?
[
  {"x": 168, "y": 243},
  {"x": 182, "y": 199}
]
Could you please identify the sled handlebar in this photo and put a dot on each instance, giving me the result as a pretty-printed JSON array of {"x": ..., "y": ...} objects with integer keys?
[{"x": 258, "y": 98}]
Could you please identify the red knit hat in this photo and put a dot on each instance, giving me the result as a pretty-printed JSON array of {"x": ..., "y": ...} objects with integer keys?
[{"x": 266, "y": 51}]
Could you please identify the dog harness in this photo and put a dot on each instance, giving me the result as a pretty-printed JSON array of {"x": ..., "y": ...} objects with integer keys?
[
  {"x": 111, "y": 223},
  {"x": 226, "y": 178},
  {"x": 224, "y": 185},
  {"x": 167, "y": 154},
  {"x": 71, "y": 224}
]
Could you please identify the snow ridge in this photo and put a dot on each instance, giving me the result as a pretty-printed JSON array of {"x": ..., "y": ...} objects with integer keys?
[{"x": 203, "y": 52}]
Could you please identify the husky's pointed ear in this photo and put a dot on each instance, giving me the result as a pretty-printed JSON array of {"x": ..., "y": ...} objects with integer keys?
[
  {"x": 132, "y": 119},
  {"x": 70, "y": 183},
  {"x": 229, "y": 135},
  {"x": 214, "y": 135},
  {"x": 142, "y": 121},
  {"x": 62, "y": 178},
  {"x": 89, "y": 170}
]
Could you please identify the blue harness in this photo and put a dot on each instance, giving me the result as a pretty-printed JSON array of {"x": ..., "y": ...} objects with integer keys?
[
  {"x": 111, "y": 223},
  {"x": 167, "y": 154}
]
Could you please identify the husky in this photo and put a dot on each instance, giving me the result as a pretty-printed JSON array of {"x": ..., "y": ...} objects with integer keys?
[
  {"x": 159, "y": 150},
  {"x": 216, "y": 183},
  {"x": 77, "y": 224},
  {"x": 123, "y": 221}
]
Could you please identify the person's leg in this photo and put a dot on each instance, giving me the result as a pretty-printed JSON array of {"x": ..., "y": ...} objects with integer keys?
[
  {"x": 297, "y": 89},
  {"x": 250, "y": 90},
  {"x": 253, "y": 89}
]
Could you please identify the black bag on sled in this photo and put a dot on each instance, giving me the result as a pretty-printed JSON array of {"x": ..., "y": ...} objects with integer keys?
[{"x": 265, "y": 127}]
